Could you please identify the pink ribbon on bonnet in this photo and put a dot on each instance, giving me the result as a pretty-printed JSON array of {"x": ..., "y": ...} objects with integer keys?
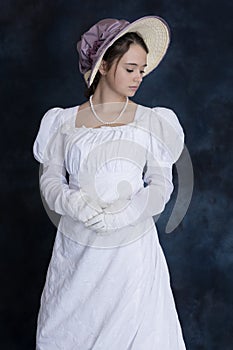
[{"x": 95, "y": 40}]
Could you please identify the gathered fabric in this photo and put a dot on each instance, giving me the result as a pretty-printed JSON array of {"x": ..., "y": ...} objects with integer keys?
[{"x": 109, "y": 287}]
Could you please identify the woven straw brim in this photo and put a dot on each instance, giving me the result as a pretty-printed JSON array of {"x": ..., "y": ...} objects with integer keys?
[{"x": 156, "y": 34}]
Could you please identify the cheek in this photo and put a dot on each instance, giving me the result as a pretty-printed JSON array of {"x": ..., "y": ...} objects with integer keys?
[{"x": 122, "y": 77}]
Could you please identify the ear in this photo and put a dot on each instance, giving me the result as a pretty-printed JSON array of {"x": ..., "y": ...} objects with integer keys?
[{"x": 103, "y": 67}]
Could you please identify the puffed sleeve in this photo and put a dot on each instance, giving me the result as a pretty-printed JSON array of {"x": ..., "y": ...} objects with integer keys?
[
  {"x": 167, "y": 133},
  {"x": 165, "y": 144},
  {"x": 48, "y": 149},
  {"x": 49, "y": 128}
]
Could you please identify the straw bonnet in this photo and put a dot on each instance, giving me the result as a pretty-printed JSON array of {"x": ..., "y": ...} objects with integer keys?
[{"x": 95, "y": 42}]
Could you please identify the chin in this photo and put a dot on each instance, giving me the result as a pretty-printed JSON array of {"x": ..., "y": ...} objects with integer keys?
[{"x": 132, "y": 93}]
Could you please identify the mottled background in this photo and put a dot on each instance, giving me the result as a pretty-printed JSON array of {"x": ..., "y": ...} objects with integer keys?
[{"x": 39, "y": 71}]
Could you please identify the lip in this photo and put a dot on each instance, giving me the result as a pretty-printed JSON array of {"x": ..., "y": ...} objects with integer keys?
[{"x": 133, "y": 87}]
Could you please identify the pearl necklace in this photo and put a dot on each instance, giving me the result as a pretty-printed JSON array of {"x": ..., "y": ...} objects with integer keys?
[{"x": 105, "y": 122}]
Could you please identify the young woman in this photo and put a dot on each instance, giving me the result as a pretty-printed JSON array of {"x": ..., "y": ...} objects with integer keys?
[{"x": 107, "y": 170}]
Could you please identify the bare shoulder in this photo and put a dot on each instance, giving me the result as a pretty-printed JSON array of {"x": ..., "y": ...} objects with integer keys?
[
  {"x": 84, "y": 106},
  {"x": 133, "y": 103}
]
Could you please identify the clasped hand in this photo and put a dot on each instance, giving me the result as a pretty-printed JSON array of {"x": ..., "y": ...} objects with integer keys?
[{"x": 109, "y": 218}]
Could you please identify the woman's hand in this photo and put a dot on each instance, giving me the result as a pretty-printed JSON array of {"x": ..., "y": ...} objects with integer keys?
[
  {"x": 87, "y": 208},
  {"x": 107, "y": 220}
]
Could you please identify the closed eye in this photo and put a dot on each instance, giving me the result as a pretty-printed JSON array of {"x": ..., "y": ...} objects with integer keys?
[{"x": 131, "y": 71}]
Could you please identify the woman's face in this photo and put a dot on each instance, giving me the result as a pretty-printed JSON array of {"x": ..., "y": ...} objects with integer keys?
[{"x": 126, "y": 77}]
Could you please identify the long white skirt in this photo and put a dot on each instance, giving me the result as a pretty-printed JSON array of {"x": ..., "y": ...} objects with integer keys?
[{"x": 108, "y": 299}]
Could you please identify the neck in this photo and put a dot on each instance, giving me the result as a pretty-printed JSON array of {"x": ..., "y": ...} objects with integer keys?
[{"x": 102, "y": 96}]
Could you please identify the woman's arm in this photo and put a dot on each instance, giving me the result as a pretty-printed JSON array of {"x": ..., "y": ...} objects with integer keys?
[
  {"x": 165, "y": 146},
  {"x": 63, "y": 200},
  {"x": 48, "y": 149},
  {"x": 147, "y": 202}
]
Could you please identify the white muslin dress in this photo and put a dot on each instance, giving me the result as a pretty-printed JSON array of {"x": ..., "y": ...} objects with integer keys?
[{"x": 108, "y": 292}]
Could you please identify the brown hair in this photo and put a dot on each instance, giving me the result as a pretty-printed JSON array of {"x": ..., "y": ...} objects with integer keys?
[{"x": 117, "y": 50}]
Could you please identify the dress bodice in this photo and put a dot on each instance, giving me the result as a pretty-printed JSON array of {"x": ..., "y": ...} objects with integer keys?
[{"x": 108, "y": 162}]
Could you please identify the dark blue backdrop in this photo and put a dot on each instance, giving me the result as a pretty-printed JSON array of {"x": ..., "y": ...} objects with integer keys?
[{"x": 38, "y": 71}]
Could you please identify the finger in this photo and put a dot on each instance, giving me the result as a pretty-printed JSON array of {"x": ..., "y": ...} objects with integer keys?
[
  {"x": 94, "y": 222},
  {"x": 91, "y": 216},
  {"x": 102, "y": 229},
  {"x": 97, "y": 226},
  {"x": 93, "y": 219}
]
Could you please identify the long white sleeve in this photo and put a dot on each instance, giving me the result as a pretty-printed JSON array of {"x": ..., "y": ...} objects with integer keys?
[
  {"x": 164, "y": 148},
  {"x": 48, "y": 149},
  {"x": 63, "y": 200},
  {"x": 147, "y": 202}
]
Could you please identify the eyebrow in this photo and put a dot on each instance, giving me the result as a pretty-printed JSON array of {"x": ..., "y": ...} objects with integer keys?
[{"x": 135, "y": 64}]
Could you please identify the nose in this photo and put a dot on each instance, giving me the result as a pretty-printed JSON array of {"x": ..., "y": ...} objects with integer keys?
[{"x": 138, "y": 77}]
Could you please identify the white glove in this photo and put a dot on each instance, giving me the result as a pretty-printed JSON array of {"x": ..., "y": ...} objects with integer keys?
[
  {"x": 106, "y": 220},
  {"x": 166, "y": 141},
  {"x": 147, "y": 202},
  {"x": 63, "y": 200}
]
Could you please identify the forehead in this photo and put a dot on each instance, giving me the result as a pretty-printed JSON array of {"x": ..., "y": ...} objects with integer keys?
[{"x": 135, "y": 54}]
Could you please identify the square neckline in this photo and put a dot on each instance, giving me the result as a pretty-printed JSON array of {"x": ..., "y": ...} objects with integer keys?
[{"x": 107, "y": 127}]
